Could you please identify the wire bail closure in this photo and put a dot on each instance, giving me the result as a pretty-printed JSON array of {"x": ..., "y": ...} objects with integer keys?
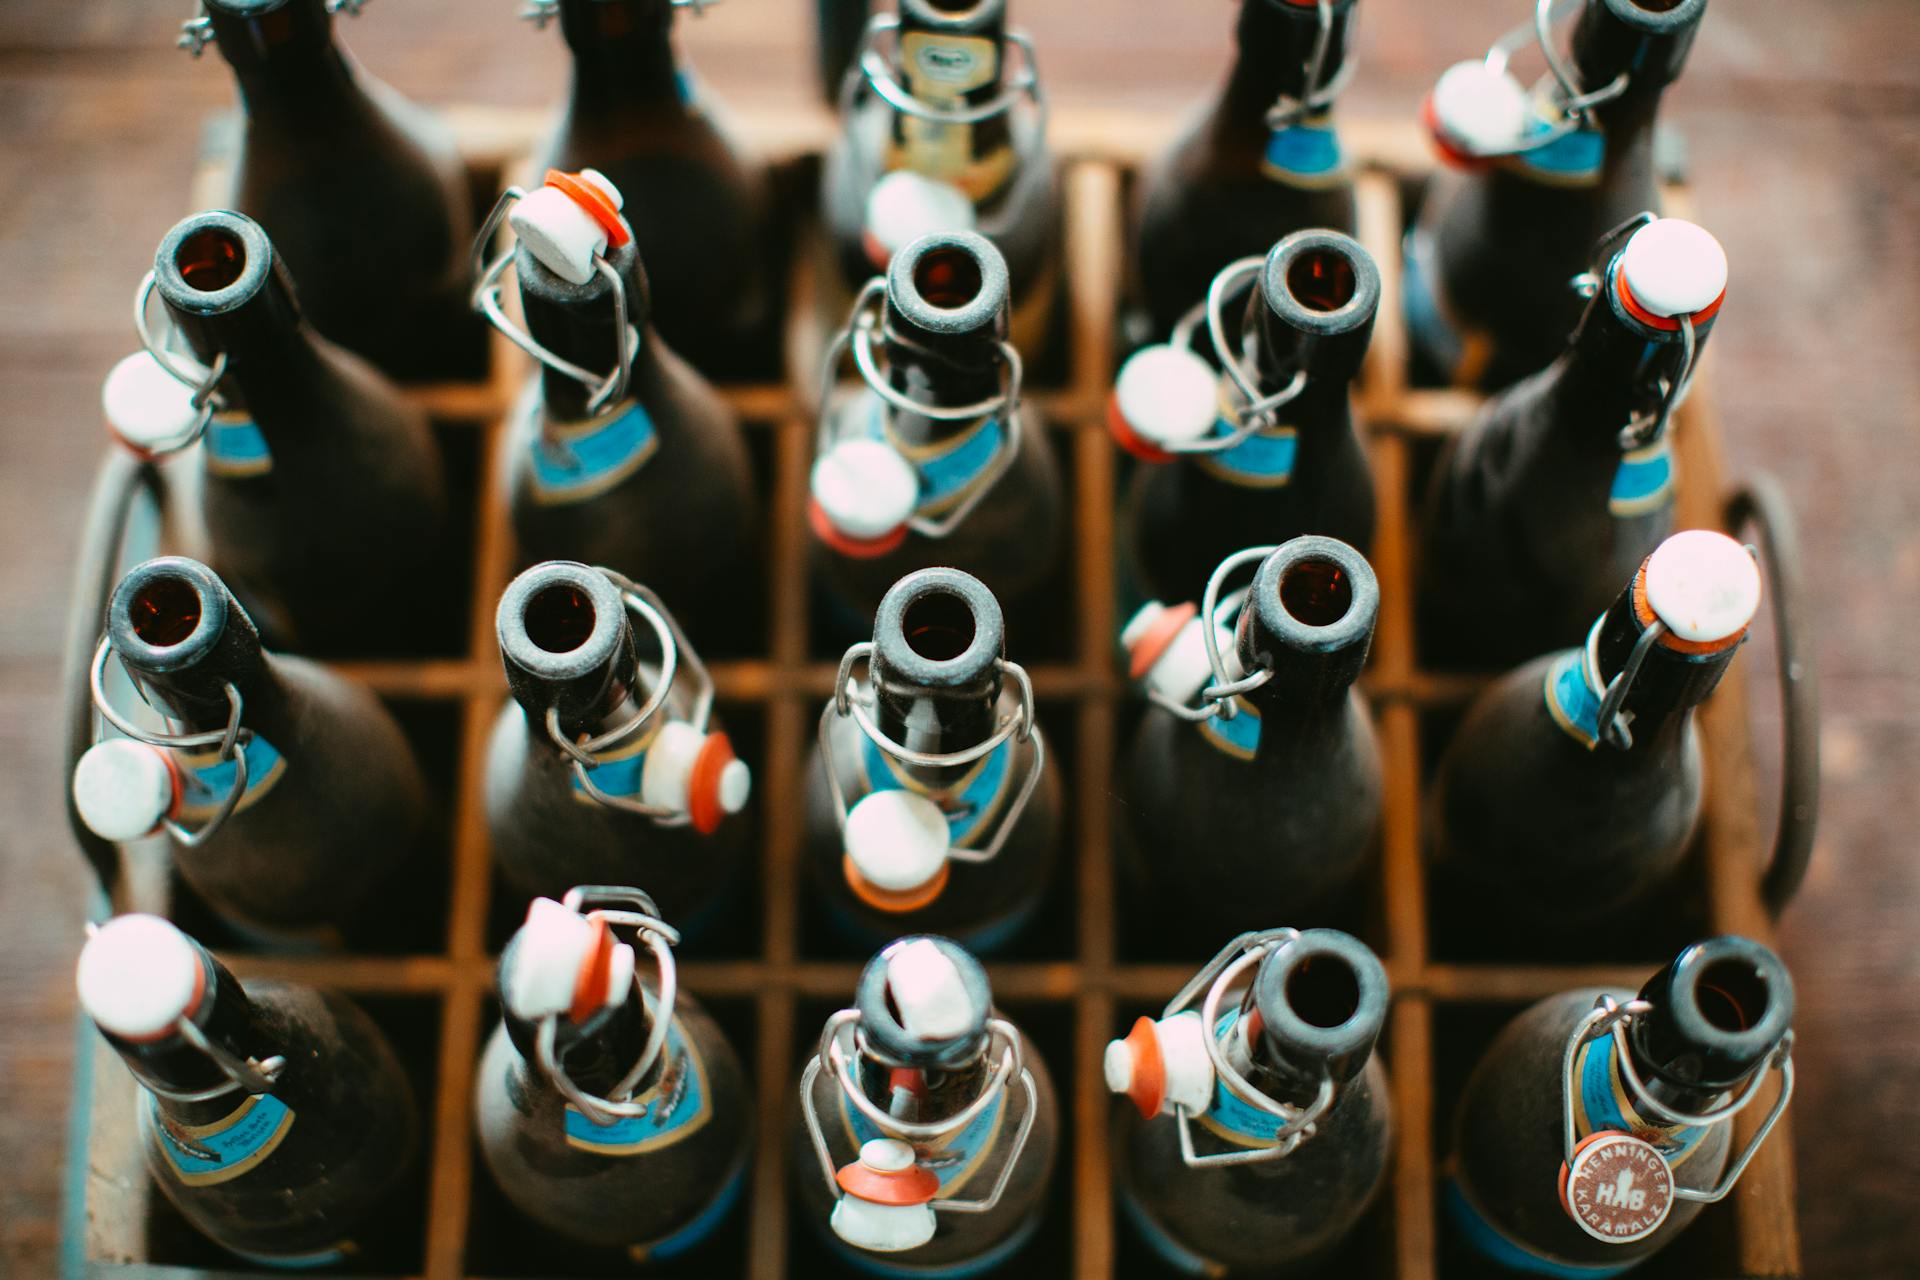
[
  {"x": 184, "y": 369},
  {"x": 874, "y": 69},
  {"x": 1216, "y": 699},
  {"x": 841, "y": 1043},
  {"x": 541, "y": 12},
  {"x": 618, "y": 906},
  {"x": 1646, "y": 428},
  {"x": 1215, "y": 978},
  {"x": 1256, "y": 412},
  {"x": 1575, "y": 105},
  {"x": 1288, "y": 110},
  {"x": 196, "y": 33},
  {"x": 1611, "y": 1016}
]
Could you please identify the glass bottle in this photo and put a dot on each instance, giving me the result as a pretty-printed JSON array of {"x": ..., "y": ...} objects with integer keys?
[
  {"x": 290, "y": 798},
  {"x": 838, "y": 28},
  {"x": 930, "y": 1124},
  {"x": 1259, "y": 445},
  {"x": 1598, "y": 1123},
  {"x": 276, "y": 1118},
  {"x": 931, "y": 802},
  {"x": 609, "y": 1106},
  {"x": 1253, "y": 1148},
  {"x": 1261, "y": 160},
  {"x": 1563, "y": 483}
]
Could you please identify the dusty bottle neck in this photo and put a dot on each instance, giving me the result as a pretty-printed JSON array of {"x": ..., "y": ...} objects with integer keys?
[
  {"x": 1313, "y": 1013},
  {"x": 1716, "y": 1015},
  {"x": 226, "y": 291},
  {"x": 1309, "y": 618},
  {"x": 1647, "y": 41},
  {"x": 579, "y": 323},
  {"x": 937, "y": 642},
  {"x": 1670, "y": 682},
  {"x": 229, "y": 1019},
  {"x": 1612, "y": 368},
  {"x": 183, "y": 635},
  {"x": 567, "y": 644},
  {"x": 596, "y": 1053}
]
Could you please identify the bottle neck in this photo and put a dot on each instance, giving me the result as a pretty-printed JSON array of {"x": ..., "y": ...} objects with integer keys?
[
  {"x": 1612, "y": 370},
  {"x": 579, "y": 323},
  {"x": 954, "y": 374},
  {"x": 623, "y": 55},
  {"x": 1670, "y": 683},
  {"x": 952, "y": 65},
  {"x": 273, "y": 356},
  {"x": 287, "y": 65},
  {"x": 1649, "y": 48},
  {"x": 936, "y": 721},
  {"x": 196, "y": 694},
  {"x": 596, "y": 1054},
  {"x": 229, "y": 1019},
  {"x": 1275, "y": 52},
  {"x": 920, "y": 1094}
]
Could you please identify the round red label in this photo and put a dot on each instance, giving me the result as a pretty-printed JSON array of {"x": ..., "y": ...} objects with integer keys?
[{"x": 1619, "y": 1187}]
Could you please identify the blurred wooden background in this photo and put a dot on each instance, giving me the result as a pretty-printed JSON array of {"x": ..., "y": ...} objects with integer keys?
[{"x": 1803, "y": 127}]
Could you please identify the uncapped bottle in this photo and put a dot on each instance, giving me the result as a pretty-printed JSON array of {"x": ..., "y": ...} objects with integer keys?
[
  {"x": 609, "y": 765},
  {"x": 1571, "y": 791},
  {"x": 1498, "y": 238},
  {"x": 287, "y": 792},
  {"x": 931, "y": 802},
  {"x": 698, "y": 208},
  {"x": 940, "y": 135},
  {"x": 361, "y": 190},
  {"x": 1585, "y": 1166},
  {"x": 321, "y": 488},
  {"x": 929, "y": 1123},
  {"x": 1258, "y": 445},
  {"x": 275, "y": 1117},
  {"x": 610, "y": 1107},
  {"x": 1266, "y": 799},
  {"x": 1260, "y": 1122},
  {"x": 1260, "y": 161},
  {"x": 934, "y": 458},
  {"x": 1564, "y": 483},
  {"x": 620, "y": 454}
]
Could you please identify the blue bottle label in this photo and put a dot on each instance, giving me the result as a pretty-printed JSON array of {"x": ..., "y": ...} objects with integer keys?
[
  {"x": 235, "y": 447},
  {"x": 955, "y": 1158},
  {"x": 1264, "y": 460},
  {"x": 1602, "y": 1103},
  {"x": 1570, "y": 160},
  {"x": 969, "y": 804},
  {"x": 1643, "y": 481},
  {"x": 574, "y": 461},
  {"x": 1238, "y": 737},
  {"x": 1572, "y": 700},
  {"x": 1305, "y": 154},
  {"x": 677, "y": 1106},
  {"x": 205, "y": 779},
  {"x": 950, "y": 471},
  {"x": 313, "y": 1261},
  {"x": 1232, "y": 1117},
  {"x": 1503, "y": 1250},
  {"x": 205, "y": 1154},
  {"x": 619, "y": 773}
]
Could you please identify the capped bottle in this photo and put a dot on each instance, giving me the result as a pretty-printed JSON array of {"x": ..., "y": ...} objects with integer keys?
[
  {"x": 934, "y": 457},
  {"x": 1542, "y": 175},
  {"x": 1260, "y": 161},
  {"x": 620, "y": 453},
  {"x": 1564, "y": 483},
  {"x": 609, "y": 762},
  {"x": 699, "y": 216},
  {"x": 320, "y": 486},
  {"x": 931, "y": 801},
  {"x": 1257, "y": 445},
  {"x": 930, "y": 1124},
  {"x": 1253, "y": 782},
  {"x": 610, "y": 1108},
  {"x": 1571, "y": 791},
  {"x": 276, "y": 1118},
  {"x": 1598, "y": 1123},
  {"x": 289, "y": 796},
  {"x": 942, "y": 134},
  {"x": 362, "y": 191},
  {"x": 1260, "y": 1121}
]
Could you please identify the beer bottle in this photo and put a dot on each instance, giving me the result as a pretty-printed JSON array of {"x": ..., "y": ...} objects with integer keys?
[
  {"x": 1263, "y": 1127},
  {"x": 931, "y": 802},
  {"x": 1570, "y": 792},
  {"x": 1253, "y": 782},
  {"x": 930, "y": 1123},
  {"x": 1264, "y": 449},
  {"x": 699, "y": 209},
  {"x": 276, "y": 1118},
  {"x": 361, "y": 190},
  {"x": 839, "y": 28},
  {"x": 620, "y": 453},
  {"x": 1260, "y": 161},
  {"x": 942, "y": 135},
  {"x": 1598, "y": 1123},
  {"x": 612, "y": 764},
  {"x": 933, "y": 458},
  {"x": 321, "y": 487},
  {"x": 1542, "y": 176},
  {"x": 610, "y": 1108},
  {"x": 1563, "y": 484},
  {"x": 288, "y": 793}
]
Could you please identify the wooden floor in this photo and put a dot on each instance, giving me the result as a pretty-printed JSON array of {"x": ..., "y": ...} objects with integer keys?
[{"x": 1804, "y": 127}]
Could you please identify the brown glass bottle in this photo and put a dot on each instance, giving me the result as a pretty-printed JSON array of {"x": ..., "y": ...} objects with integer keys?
[
  {"x": 1241, "y": 176},
  {"x": 360, "y": 189},
  {"x": 287, "y": 1148},
  {"x": 322, "y": 493},
  {"x": 839, "y": 25}
]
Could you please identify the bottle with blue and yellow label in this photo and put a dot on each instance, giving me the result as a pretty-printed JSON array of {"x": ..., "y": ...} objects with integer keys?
[
  {"x": 609, "y": 1106},
  {"x": 931, "y": 801},
  {"x": 275, "y": 1117},
  {"x": 1564, "y": 483},
  {"x": 1260, "y": 1126},
  {"x": 1598, "y": 1124},
  {"x": 1260, "y": 161}
]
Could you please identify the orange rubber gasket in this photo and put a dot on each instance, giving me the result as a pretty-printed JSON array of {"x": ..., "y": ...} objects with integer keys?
[
  {"x": 704, "y": 809},
  {"x": 856, "y": 548},
  {"x": 1644, "y": 614},
  {"x": 590, "y": 984},
  {"x": 1127, "y": 438},
  {"x": 1449, "y": 152},
  {"x": 597, "y": 203},
  {"x": 903, "y": 1188},
  {"x": 1667, "y": 324},
  {"x": 1149, "y": 1086},
  {"x": 1158, "y": 638},
  {"x": 888, "y": 900}
]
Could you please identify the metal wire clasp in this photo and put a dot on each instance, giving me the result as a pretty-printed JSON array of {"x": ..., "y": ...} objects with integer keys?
[
  {"x": 486, "y": 300},
  {"x": 541, "y": 12},
  {"x": 1317, "y": 96},
  {"x": 196, "y": 33},
  {"x": 1574, "y": 105},
  {"x": 1610, "y": 1015},
  {"x": 184, "y": 369},
  {"x": 618, "y": 906},
  {"x": 1216, "y": 699},
  {"x": 1256, "y": 411},
  {"x": 874, "y": 69}
]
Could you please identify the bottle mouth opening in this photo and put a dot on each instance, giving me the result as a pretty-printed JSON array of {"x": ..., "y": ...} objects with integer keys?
[
  {"x": 1657, "y": 6},
  {"x": 939, "y": 626},
  {"x": 1324, "y": 991},
  {"x": 211, "y": 259},
  {"x": 560, "y": 618},
  {"x": 1322, "y": 280},
  {"x": 1316, "y": 592},
  {"x": 947, "y": 277},
  {"x": 165, "y": 611},
  {"x": 1732, "y": 996}
]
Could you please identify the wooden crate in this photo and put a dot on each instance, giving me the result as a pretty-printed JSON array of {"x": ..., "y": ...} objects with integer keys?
[{"x": 1073, "y": 992}]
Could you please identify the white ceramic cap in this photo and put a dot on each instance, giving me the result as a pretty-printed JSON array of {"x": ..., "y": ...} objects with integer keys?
[
  {"x": 138, "y": 975},
  {"x": 123, "y": 788},
  {"x": 1703, "y": 585},
  {"x": 1182, "y": 669},
  {"x": 1674, "y": 267},
  {"x": 145, "y": 405},
  {"x": 666, "y": 777},
  {"x": 554, "y": 945},
  {"x": 1186, "y": 1071},
  {"x": 904, "y": 205},
  {"x": 557, "y": 231},
  {"x": 1167, "y": 394},
  {"x": 897, "y": 840},
  {"x": 929, "y": 993},
  {"x": 1481, "y": 109},
  {"x": 865, "y": 488}
]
